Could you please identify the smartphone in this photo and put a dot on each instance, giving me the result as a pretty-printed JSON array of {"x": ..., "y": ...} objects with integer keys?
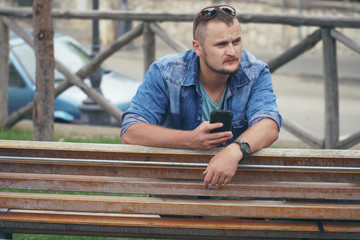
[{"x": 223, "y": 116}]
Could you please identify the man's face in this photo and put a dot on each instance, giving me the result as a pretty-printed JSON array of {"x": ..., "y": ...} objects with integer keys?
[{"x": 221, "y": 51}]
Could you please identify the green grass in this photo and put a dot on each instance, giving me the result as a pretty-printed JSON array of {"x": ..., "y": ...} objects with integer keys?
[
  {"x": 27, "y": 135},
  {"x": 15, "y": 134}
]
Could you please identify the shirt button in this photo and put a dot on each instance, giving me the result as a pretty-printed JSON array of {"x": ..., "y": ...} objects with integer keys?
[{"x": 199, "y": 118}]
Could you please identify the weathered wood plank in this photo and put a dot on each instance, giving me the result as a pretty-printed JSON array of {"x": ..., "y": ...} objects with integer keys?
[
  {"x": 68, "y": 223},
  {"x": 176, "y": 45},
  {"x": 4, "y": 70},
  {"x": 142, "y": 221},
  {"x": 149, "y": 46},
  {"x": 345, "y": 40},
  {"x": 349, "y": 141},
  {"x": 197, "y": 207},
  {"x": 293, "y": 20},
  {"x": 243, "y": 173},
  {"x": 316, "y": 157},
  {"x": 306, "y": 44},
  {"x": 43, "y": 110},
  {"x": 332, "y": 123},
  {"x": 302, "y": 134},
  {"x": 241, "y": 189}
]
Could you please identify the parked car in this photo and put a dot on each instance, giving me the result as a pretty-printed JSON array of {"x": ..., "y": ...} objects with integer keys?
[{"x": 116, "y": 87}]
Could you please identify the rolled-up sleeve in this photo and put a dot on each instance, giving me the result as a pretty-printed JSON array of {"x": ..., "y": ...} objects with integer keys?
[
  {"x": 262, "y": 102},
  {"x": 150, "y": 102}
]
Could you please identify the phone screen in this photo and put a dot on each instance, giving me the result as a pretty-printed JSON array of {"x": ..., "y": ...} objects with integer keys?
[{"x": 223, "y": 116}]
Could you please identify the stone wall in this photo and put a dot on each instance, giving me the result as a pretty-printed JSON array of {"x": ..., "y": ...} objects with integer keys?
[
  {"x": 257, "y": 36},
  {"x": 264, "y": 37}
]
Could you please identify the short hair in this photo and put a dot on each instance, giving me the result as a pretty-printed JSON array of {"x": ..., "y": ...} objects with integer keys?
[{"x": 200, "y": 22}]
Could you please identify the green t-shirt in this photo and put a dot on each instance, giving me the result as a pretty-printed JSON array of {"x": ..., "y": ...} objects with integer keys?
[{"x": 209, "y": 104}]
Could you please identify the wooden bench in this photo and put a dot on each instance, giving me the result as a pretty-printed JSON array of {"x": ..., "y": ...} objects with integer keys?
[{"x": 281, "y": 193}]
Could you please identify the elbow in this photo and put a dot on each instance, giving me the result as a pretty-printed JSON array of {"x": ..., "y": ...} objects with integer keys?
[
  {"x": 125, "y": 139},
  {"x": 275, "y": 135},
  {"x": 271, "y": 138},
  {"x": 274, "y": 131},
  {"x": 132, "y": 135}
]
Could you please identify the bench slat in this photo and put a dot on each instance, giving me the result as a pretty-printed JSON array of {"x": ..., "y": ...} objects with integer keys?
[
  {"x": 103, "y": 169},
  {"x": 105, "y": 225},
  {"x": 141, "y": 205},
  {"x": 248, "y": 189},
  {"x": 133, "y": 220},
  {"x": 268, "y": 156}
]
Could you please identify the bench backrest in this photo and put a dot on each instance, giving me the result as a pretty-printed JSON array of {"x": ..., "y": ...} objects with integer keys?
[{"x": 279, "y": 176}]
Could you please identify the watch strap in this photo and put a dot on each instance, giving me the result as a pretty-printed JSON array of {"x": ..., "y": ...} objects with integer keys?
[{"x": 244, "y": 147}]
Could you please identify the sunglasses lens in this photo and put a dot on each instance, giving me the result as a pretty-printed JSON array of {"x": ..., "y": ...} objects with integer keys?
[
  {"x": 209, "y": 13},
  {"x": 228, "y": 10}
]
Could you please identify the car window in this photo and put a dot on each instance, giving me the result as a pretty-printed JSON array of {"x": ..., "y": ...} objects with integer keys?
[
  {"x": 68, "y": 53},
  {"x": 26, "y": 57},
  {"x": 15, "y": 79}
]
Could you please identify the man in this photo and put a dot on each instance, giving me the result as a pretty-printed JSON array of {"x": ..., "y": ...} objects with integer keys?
[{"x": 173, "y": 104}]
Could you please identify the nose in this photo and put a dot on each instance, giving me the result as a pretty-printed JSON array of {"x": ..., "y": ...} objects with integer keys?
[{"x": 230, "y": 49}]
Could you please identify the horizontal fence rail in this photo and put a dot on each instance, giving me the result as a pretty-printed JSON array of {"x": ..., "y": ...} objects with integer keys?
[{"x": 293, "y": 20}]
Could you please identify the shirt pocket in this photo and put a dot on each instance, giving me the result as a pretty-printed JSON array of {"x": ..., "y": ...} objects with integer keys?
[{"x": 239, "y": 125}]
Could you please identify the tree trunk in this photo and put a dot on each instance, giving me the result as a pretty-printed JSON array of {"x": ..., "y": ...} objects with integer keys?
[
  {"x": 4, "y": 70},
  {"x": 43, "y": 112}
]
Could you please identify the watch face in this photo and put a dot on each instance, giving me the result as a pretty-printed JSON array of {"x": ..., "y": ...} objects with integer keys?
[{"x": 245, "y": 147}]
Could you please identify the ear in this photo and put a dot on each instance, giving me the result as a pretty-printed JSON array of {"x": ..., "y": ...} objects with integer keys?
[{"x": 197, "y": 47}]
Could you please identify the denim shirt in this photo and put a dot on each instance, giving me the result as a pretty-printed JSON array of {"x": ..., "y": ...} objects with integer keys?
[{"x": 170, "y": 95}]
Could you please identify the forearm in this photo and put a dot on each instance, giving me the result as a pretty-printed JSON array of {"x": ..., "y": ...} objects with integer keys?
[
  {"x": 260, "y": 135},
  {"x": 156, "y": 136},
  {"x": 222, "y": 166}
]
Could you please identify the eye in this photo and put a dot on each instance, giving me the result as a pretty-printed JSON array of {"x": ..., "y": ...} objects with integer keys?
[{"x": 237, "y": 41}]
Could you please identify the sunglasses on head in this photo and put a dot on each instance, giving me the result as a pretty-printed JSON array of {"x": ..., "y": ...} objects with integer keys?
[{"x": 211, "y": 12}]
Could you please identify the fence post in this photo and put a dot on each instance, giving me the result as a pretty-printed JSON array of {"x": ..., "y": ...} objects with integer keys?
[
  {"x": 43, "y": 110},
  {"x": 331, "y": 89},
  {"x": 149, "y": 46},
  {"x": 4, "y": 71}
]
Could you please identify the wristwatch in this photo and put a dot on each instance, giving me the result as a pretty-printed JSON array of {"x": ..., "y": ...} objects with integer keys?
[{"x": 244, "y": 147}]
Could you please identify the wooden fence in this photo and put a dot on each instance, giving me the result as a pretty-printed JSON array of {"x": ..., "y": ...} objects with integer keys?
[{"x": 326, "y": 33}]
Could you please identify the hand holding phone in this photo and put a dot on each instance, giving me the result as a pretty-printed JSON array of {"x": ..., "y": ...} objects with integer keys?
[{"x": 223, "y": 116}]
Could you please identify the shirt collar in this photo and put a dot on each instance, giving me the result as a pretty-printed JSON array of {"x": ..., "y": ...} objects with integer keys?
[
  {"x": 193, "y": 73},
  {"x": 238, "y": 79}
]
